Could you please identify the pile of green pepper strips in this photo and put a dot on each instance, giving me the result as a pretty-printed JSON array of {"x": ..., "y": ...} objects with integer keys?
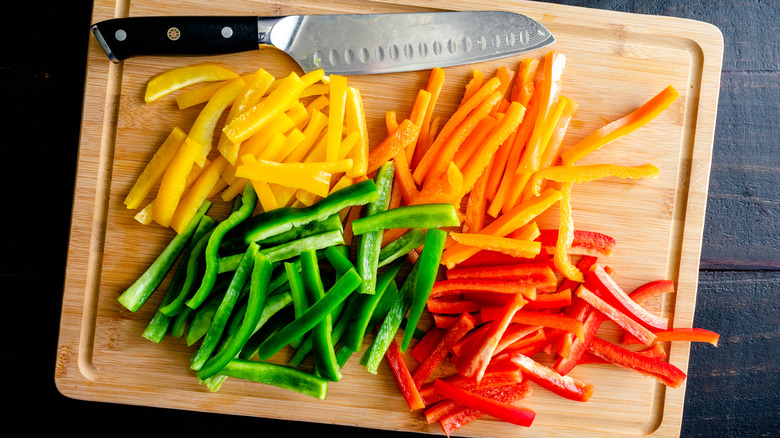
[{"x": 250, "y": 285}]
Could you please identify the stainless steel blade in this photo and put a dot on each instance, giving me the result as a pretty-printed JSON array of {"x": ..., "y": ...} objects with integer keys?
[{"x": 353, "y": 44}]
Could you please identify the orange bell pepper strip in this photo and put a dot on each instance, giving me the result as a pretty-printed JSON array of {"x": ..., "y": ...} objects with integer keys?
[
  {"x": 391, "y": 122},
  {"x": 446, "y": 152},
  {"x": 474, "y": 84},
  {"x": 177, "y": 78},
  {"x": 155, "y": 168},
  {"x": 505, "y": 75},
  {"x": 403, "y": 178},
  {"x": 432, "y": 154},
  {"x": 554, "y": 63},
  {"x": 524, "y": 81},
  {"x": 591, "y": 172},
  {"x": 475, "y": 207},
  {"x": 621, "y": 127},
  {"x": 355, "y": 120},
  {"x": 434, "y": 87},
  {"x": 445, "y": 189},
  {"x": 477, "y": 164},
  {"x": 283, "y": 97},
  {"x": 338, "y": 102},
  {"x": 417, "y": 116},
  {"x": 396, "y": 142},
  {"x": 472, "y": 142},
  {"x": 565, "y": 237},
  {"x": 202, "y": 130},
  {"x": 513, "y": 247},
  {"x": 503, "y": 225},
  {"x": 680, "y": 334}
]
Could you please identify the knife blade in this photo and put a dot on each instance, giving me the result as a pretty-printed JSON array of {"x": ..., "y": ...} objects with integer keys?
[{"x": 347, "y": 44}]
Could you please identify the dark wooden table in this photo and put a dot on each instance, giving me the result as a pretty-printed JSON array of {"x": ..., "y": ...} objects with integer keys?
[{"x": 732, "y": 390}]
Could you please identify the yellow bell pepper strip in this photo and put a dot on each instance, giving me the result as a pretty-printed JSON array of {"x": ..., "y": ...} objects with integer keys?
[
  {"x": 621, "y": 127},
  {"x": 398, "y": 141},
  {"x": 355, "y": 121},
  {"x": 202, "y": 130},
  {"x": 591, "y": 172},
  {"x": 255, "y": 86},
  {"x": 286, "y": 174},
  {"x": 265, "y": 195},
  {"x": 425, "y": 278},
  {"x": 503, "y": 225},
  {"x": 199, "y": 95},
  {"x": 260, "y": 278},
  {"x": 554, "y": 63},
  {"x": 313, "y": 77},
  {"x": 174, "y": 182},
  {"x": 454, "y": 141},
  {"x": 315, "y": 90},
  {"x": 338, "y": 100},
  {"x": 565, "y": 237},
  {"x": 155, "y": 168},
  {"x": 513, "y": 247},
  {"x": 177, "y": 78},
  {"x": 312, "y": 132},
  {"x": 477, "y": 164},
  {"x": 282, "y": 98},
  {"x": 136, "y": 295},
  {"x": 198, "y": 193},
  {"x": 431, "y": 155},
  {"x": 244, "y": 211}
]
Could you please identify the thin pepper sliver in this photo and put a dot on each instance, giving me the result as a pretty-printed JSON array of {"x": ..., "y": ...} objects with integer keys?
[
  {"x": 136, "y": 295},
  {"x": 177, "y": 78},
  {"x": 425, "y": 278}
]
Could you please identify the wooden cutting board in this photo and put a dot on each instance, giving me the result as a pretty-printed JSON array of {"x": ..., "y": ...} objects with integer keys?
[{"x": 616, "y": 61}]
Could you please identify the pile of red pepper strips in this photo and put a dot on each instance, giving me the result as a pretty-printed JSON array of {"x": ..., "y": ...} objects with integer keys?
[{"x": 509, "y": 290}]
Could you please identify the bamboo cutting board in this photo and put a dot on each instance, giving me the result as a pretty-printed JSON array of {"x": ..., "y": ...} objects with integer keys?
[{"x": 615, "y": 62}]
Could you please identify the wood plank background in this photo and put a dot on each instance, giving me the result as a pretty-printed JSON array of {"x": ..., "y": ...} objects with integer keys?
[{"x": 731, "y": 390}]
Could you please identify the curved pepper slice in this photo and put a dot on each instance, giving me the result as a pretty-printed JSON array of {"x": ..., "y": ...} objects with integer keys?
[
  {"x": 277, "y": 375},
  {"x": 591, "y": 172},
  {"x": 172, "y": 80},
  {"x": 409, "y": 216},
  {"x": 548, "y": 378},
  {"x": 654, "y": 367},
  {"x": 565, "y": 237}
]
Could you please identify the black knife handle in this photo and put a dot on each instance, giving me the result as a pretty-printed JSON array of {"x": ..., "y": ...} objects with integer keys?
[{"x": 122, "y": 38}]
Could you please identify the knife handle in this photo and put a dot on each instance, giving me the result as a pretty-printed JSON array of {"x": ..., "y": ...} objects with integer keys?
[{"x": 122, "y": 38}]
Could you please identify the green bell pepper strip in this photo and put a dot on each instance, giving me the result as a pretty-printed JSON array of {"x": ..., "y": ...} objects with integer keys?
[
  {"x": 401, "y": 246},
  {"x": 366, "y": 306},
  {"x": 313, "y": 315},
  {"x": 192, "y": 266},
  {"x": 307, "y": 344},
  {"x": 258, "y": 292},
  {"x": 429, "y": 261},
  {"x": 275, "y": 222},
  {"x": 276, "y": 321},
  {"x": 339, "y": 259},
  {"x": 273, "y": 306},
  {"x": 372, "y": 357},
  {"x": 248, "y": 202},
  {"x": 217, "y": 326},
  {"x": 322, "y": 346},
  {"x": 370, "y": 243},
  {"x": 136, "y": 295},
  {"x": 180, "y": 322},
  {"x": 201, "y": 320},
  {"x": 294, "y": 248},
  {"x": 331, "y": 223},
  {"x": 277, "y": 375},
  {"x": 408, "y": 216},
  {"x": 297, "y": 291}
]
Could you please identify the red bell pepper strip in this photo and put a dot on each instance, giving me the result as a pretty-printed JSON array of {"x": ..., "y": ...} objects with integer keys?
[
  {"x": 474, "y": 336},
  {"x": 553, "y": 300},
  {"x": 445, "y": 321},
  {"x": 462, "y": 415},
  {"x": 548, "y": 378},
  {"x": 460, "y": 285},
  {"x": 537, "y": 274},
  {"x": 516, "y": 333},
  {"x": 557, "y": 321},
  {"x": 602, "y": 284},
  {"x": 497, "y": 374},
  {"x": 656, "y": 351},
  {"x": 584, "y": 242},
  {"x": 487, "y": 257},
  {"x": 476, "y": 358},
  {"x": 564, "y": 364},
  {"x": 680, "y": 334},
  {"x": 427, "y": 342},
  {"x": 663, "y": 371},
  {"x": 636, "y": 329},
  {"x": 452, "y": 305},
  {"x": 651, "y": 289},
  {"x": 424, "y": 369},
  {"x": 402, "y": 377},
  {"x": 500, "y": 410}
]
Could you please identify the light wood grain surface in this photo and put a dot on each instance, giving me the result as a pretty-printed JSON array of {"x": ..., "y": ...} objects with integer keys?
[{"x": 615, "y": 62}]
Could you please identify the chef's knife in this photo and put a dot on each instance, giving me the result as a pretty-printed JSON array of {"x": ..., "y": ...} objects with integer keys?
[{"x": 347, "y": 44}]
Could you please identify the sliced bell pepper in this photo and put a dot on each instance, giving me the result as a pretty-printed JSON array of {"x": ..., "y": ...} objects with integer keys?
[
  {"x": 537, "y": 274},
  {"x": 371, "y": 243},
  {"x": 565, "y": 236},
  {"x": 659, "y": 369},
  {"x": 500, "y": 410},
  {"x": 475, "y": 206},
  {"x": 409, "y": 216},
  {"x": 473, "y": 140},
  {"x": 548, "y": 378},
  {"x": 408, "y": 241},
  {"x": 403, "y": 377},
  {"x": 552, "y": 320},
  {"x": 396, "y": 142},
  {"x": 591, "y": 172},
  {"x": 474, "y": 361},
  {"x": 297, "y": 175},
  {"x": 428, "y": 268},
  {"x": 621, "y": 127},
  {"x": 447, "y": 188},
  {"x": 509, "y": 394},
  {"x": 498, "y": 374},
  {"x": 451, "y": 306},
  {"x": 651, "y": 289},
  {"x": 155, "y": 168},
  {"x": 680, "y": 334},
  {"x": 426, "y": 367},
  {"x": 655, "y": 351},
  {"x": 277, "y": 375},
  {"x": 355, "y": 121},
  {"x": 512, "y": 247},
  {"x": 338, "y": 100},
  {"x": 457, "y": 286},
  {"x": 136, "y": 295},
  {"x": 434, "y": 87},
  {"x": 636, "y": 329},
  {"x": 177, "y": 78},
  {"x": 199, "y": 192},
  {"x": 590, "y": 243},
  {"x": 524, "y": 81},
  {"x": 428, "y": 342},
  {"x": 603, "y": 285},
  {"x": 564, "y": 364}
]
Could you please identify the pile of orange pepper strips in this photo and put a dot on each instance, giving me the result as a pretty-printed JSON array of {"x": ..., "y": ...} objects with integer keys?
[{"x": 500, "y": 301}]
